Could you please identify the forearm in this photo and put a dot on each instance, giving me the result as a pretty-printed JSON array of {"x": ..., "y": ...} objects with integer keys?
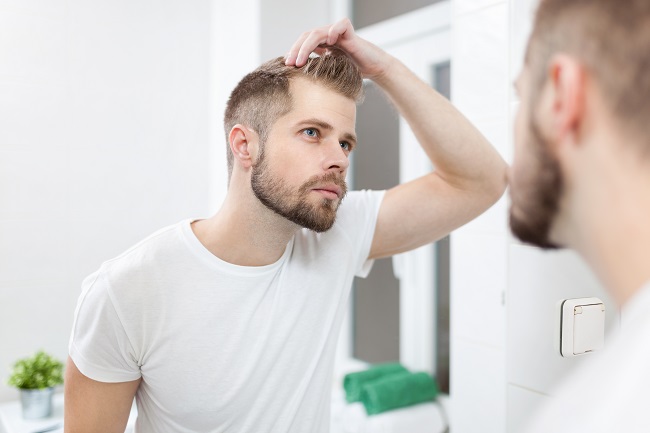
[{"x": 458, "y": 151}]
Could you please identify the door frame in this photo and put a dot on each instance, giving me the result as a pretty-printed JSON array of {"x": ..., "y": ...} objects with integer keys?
[{"x": 420, "y": 39}]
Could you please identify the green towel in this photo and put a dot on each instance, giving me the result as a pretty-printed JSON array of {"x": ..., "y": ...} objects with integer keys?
[
  {"x": 398, "y": 390},
  {"x": 354, "y": 382}
]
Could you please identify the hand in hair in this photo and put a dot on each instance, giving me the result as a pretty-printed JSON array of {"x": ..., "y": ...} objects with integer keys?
[{"x": 370, "y": 59}]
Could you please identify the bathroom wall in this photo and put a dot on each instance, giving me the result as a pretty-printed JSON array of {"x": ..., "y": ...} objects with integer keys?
[
  {"x": 104, "y": 138},
  {"x": 110, "y": 128},
  {"x": 479, "y": 259},
  {"x": 504, "y": 294}
]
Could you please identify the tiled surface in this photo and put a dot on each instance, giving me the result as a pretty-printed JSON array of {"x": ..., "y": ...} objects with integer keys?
[
  {"x": 522, "y": 403},
  {"x": 489, "y": 40},
  {"x": 480, "y": 63},
  {"x": 478, "y": 389},
  {"x": 538, "y": 282},
  {"x": 479, "y": 250},
  {"x": 478, "y": 285}
]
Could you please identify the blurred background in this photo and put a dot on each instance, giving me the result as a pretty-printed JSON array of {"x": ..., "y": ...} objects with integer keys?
[{"x": 110, "y": 128}]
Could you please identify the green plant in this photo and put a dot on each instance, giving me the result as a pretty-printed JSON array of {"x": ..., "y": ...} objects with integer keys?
[{"x": 37, "y": 372}]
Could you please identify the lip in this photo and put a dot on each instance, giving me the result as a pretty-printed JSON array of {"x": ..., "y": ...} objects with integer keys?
[{"x": 329, "y": 191}]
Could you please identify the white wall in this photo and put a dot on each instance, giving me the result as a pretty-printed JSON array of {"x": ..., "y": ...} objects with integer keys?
[
  {"x": 504, "y": 294},
  {"x": 235, "y": 50},
  {"x": 110, "y": 128},
  {"x": 284, "y": 20},
  {"x": 104, "y": 137},
  {"x": 479, "y": 250}
]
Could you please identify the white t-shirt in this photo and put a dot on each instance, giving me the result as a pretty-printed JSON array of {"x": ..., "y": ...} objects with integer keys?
[
  {"x": 221, "y": 347},
  {"x": 612, "y": 392}
]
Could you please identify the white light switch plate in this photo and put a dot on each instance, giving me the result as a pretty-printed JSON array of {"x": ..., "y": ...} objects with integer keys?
[{"x": 582, "y": 327}]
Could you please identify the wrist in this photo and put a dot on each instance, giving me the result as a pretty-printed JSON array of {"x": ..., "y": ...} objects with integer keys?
[{"x": 387, "y": 72}]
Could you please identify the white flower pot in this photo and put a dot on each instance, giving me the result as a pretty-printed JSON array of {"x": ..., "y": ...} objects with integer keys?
[{"x": 36, "y": 403}]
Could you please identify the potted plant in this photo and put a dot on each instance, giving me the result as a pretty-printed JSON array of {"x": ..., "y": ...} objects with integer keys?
[{"x": 36, "y": 378}]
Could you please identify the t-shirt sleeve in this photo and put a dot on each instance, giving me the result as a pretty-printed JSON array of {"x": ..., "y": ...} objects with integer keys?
[
  {"x": 358, "y": 218},
  {"x": 99, "y": 344}
]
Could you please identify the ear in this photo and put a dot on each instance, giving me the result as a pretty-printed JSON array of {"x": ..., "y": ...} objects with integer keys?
[
  {"x": 567, "y": 79},
  {"x": 243, "y": 145}
]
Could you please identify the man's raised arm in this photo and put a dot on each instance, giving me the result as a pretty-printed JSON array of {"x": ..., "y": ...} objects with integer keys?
[{"x": 469, "y": 175}]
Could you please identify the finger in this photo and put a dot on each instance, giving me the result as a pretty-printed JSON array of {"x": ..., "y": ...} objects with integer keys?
[
  {"x": 292, "y": 55},
  {"x": 315, "y": 38},
  {"x": 338, "y": 29}
]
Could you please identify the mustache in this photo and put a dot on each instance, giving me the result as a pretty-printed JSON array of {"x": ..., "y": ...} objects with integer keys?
[{"x": 331, "y": 177}]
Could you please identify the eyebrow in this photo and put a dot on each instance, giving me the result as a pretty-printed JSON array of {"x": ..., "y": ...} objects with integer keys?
[{"x": 326, "y": 126}]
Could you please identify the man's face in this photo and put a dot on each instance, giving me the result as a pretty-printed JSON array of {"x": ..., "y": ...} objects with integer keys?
[
  {"x": 536, "y": 181},
  {"x": 300, "y": 172}
]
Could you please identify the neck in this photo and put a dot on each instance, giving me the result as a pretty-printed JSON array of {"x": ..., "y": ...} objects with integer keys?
[
  {"x": 245, "y": 232},
  {"x": 610, "y": 224}
]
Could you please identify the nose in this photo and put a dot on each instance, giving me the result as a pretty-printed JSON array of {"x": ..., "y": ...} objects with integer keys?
[{"x": 335, "y": 158}]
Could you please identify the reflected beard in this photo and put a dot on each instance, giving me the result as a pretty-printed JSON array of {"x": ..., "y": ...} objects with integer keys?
[
  {"x": 532, "y": 218},
  {"x": 295, "y": 206}
]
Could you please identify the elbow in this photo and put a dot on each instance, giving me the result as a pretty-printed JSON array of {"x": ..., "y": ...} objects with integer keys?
[
  {"x": 493, "y": 185},
  {"x": 499, "y": 183}
]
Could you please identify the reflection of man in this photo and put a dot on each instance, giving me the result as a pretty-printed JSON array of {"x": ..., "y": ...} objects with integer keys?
[
  {"x": 581, "y": 179},
  {"x": 230, "y": 323}
]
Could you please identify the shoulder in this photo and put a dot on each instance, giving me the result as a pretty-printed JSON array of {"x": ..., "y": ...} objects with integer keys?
[
  {"x": 156, "y": 243},
  {"x": 143, "y": 261}
]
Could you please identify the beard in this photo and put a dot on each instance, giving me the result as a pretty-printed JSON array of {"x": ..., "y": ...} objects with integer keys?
[
  {"x": 536, "y": 204},
  {"x": 294, "y": 205}
]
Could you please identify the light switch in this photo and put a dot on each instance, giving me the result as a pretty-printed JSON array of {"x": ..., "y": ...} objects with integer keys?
[{"x": 582, "y": 326}]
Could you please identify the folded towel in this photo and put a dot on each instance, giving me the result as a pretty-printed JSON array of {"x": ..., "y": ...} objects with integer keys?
[
  {"x": 398, "y": 390},
  {"x": 354, "y": 382}
]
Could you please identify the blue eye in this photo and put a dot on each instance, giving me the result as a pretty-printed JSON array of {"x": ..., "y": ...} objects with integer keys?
[
  {"x": 310, "y": 132},
  {"x": 345, "y": 146}
]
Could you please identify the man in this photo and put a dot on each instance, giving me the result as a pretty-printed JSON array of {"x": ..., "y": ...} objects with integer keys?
[
  {"x": 229, "y": 324},
  {"x": 581, "y": 179}
]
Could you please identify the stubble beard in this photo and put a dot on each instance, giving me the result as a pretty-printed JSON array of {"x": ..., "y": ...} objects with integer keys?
[
  {"x": 533, "y": 213},
  {"x": 294, "y": 205}
]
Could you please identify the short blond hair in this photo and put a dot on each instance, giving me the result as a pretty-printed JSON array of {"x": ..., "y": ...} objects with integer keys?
[
  {"x": 612, "y": 39},
  {"x": 264, "y": 95}
]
